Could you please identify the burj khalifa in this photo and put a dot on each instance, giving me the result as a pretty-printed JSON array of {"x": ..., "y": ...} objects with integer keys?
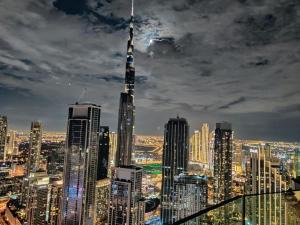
[
  {"x": 126, "y": 204},
  {"x": 126, "y": 108}
]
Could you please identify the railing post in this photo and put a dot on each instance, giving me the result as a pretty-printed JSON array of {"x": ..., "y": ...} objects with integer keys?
[{"x": 244, "y": 209}]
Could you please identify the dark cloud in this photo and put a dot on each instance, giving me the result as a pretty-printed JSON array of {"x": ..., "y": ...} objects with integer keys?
[{"x": 209, "y": 60}]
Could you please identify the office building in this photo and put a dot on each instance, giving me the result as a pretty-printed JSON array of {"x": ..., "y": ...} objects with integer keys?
[
  {"x": 223, "y": 162},
  {"x": 3, "y": 136},
  {"x": 35, "y": 145},
  {"x": 12, "y": 145},
  {"x": 80, "y": 169},
  {"x": 102, "y": 199},
  {"x": 103, "y": 154},
  {"x": 126, "y": 202},
  {"x": 175, "y": 162}
]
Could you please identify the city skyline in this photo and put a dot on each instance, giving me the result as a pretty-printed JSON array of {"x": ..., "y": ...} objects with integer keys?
[{"x": 193, "y": 59}]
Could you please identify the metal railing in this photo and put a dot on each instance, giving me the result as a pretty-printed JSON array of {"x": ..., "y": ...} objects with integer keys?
[{"x": 262, "y": 208}]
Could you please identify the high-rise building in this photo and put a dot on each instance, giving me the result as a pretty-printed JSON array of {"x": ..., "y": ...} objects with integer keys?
[
  {"x": 237, "y": 159},
  {"x": 35, "y": 144},
  {"x": 103, "y": 153},
  {"x": 3, "y": 136},
  {"x": 190, "y": 195},
  {"x": 55, "y": 201},
  {"x": 112, "y": 150},
  {"x": 12, "y": 146},
  {"x": 263, "y": 176},
  {"x": 102, "y": 199},
  {"x": 223, "y": 162},
  {"x": 204, "y": 143},
  {"x": 80, "y": 169},
  {"x": 175, "y": 162},
  {"x": 126, "y": 202},
  {"x": 200, "y": 145},
  {"x": 37, "y": 206},
  {"x": 126, "y": 108},
  {"x": 297, "y": 164}
]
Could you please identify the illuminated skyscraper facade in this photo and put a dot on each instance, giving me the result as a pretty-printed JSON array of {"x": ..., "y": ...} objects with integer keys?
[
  {"x": 12, "y": 147},
  {"x": 55, "y": 201},
  {"x": 126, "y": 107},
  {"x": 223, "y": 162},
  {"x": 37, "y": 206},
  {"x": 103, "y": 153},
  {"x": 112, "y": 148},
  {"x": 80, "y": 169},
  {"x": 35, "y": 145},
  {"x": 102, "y": 199},
  {"x": 175, "y": 162},
  {"x": 190, "y": 195},
  {"x": 199, "y": 144},
  {"x": 297, "y": 163},
  {"x": 127, "y": 206},
  {"x": 3, "y": 136}
]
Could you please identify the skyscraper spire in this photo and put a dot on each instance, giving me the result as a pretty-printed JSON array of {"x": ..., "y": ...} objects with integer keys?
[{"x": 130, "y": 70}]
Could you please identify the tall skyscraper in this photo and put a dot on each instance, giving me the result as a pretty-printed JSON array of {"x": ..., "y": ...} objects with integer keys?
[
  {"x": 126, "y": 107},
  {"x": 126, "y": 203},
  {"x": 204, "y": 143},
  {"x": 102, "y": 199},
  {"x": 175, "y": 162},
  {"x": 112, "y": 150},
  {"x": 35, "y": 144},
  {"x": 200, "y": 145},
  {"x": 3, "y": 136},
  {"x": 80, "y": 169},
  {"x": 103, "y": 153},
  {"x": 127, "y": 206},
  {"x": 223, "y": 162},
  {"x": 37, "y": 206}
]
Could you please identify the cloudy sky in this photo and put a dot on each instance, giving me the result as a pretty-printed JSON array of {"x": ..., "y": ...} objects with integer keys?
[{"x": 209, "y": 60}]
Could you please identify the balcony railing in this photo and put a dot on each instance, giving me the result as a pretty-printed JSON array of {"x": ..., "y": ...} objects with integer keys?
[{"x": 278, "y": 208}]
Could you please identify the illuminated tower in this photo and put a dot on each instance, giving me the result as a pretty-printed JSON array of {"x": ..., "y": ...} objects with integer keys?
[
  {"x": 102, "y": 199},
  {"x": 223, "y": 162},
  {"x": 112, "y": 150},
  {"x": 37, "y": 205},
  {"x": 103, "y": 153},
  {"x": 35, "y": 144},
  {"x": 204, "y": 143},
  {"x": 175, "y": 162},
  {"x": 80, "y": 169},
  {"x": 126, "y": 204},
  {"x": 297, "y": 163},
  {"x": 3, "y": 135},
  {"x": 126, "y": 107}
]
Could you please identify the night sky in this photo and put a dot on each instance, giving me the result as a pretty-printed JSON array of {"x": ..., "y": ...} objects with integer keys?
[{"x": 208, "y": 61}]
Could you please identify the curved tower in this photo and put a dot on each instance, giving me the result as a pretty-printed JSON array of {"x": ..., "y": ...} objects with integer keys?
[{"x": 126, "y": 107}]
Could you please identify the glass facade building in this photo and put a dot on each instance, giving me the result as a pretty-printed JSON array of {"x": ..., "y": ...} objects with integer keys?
[
  {"x": 103, "y": 153},
  {"x": 35, "y": 145},
  {"x": 80, "y": 169},
  {"x": 3, "y": 136},
  {"x": 223, "y": 162},
  {"x": 175, "y": 162}
]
